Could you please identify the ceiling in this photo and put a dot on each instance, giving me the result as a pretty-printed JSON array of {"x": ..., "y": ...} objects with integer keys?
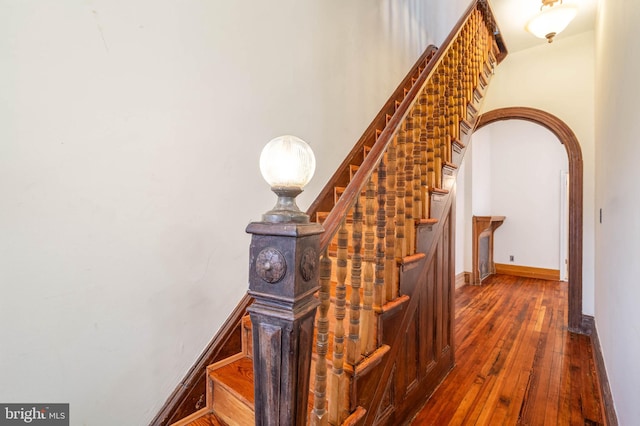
[{"x": 512, "y": 15}]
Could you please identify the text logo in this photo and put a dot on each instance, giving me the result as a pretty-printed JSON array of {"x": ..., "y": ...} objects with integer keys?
[{"x": 34, "y": 414}]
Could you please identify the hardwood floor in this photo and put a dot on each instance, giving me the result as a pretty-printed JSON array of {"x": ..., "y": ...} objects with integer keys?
[{"x": 516, "y": 363}]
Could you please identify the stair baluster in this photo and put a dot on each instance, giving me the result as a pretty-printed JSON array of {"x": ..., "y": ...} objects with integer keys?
[
  {"x": 381, "y": 221},
  {"x": 319, "y": 415},
  {"x": 401, "y": 192},
  {"x": 338, "y": 384},
  {"x": 390, "y": 267},
  {"x": 353, "y": 341},
  {"x": 367, "y": 324}
]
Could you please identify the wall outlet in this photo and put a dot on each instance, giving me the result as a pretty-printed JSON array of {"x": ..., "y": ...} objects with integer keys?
[{"x": 510, "y": 258}]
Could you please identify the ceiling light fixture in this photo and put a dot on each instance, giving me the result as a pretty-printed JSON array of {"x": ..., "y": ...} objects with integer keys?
[{"x": 553, "y": 18}]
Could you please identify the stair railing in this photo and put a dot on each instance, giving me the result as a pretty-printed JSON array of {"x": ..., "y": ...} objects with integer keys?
[{"x": 372, "y": 226}]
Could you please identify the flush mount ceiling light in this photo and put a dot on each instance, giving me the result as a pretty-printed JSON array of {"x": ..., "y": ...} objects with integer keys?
[{"x": 553, "y": 18}]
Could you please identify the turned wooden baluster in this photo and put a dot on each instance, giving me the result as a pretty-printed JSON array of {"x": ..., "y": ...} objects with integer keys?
[
  {"x": 379, "y": 296},
  {"x": 453, "y": 107},
  {"x": 409, "y": 224},
  {"x": 432, "y": 132},
  {"x": 445, "y": 137},
  {"x": 367, "y": 326},
  {"x": 438, "y": 154},
  {"x": 476, "y": 45},
  {"x": 390, "y": 280},
  {"x": 448, "y": 108},
  {"x": 469, "y": 63},
  {"x": 401, "y": 192},
  {"x": 338, "y": 390},
  {"x": 461, "y": 102},
  {"x": 423, "y": 193},
  {"x": 353, "y": 340},
  {"x": 319, "y": 415}
]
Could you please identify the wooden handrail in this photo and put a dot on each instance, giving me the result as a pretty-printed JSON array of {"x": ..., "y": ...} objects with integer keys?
[{"x": 359, "y": 180}]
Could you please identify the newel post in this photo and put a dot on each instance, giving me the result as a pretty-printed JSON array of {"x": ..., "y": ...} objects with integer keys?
[{"x": 283, "y": 277}]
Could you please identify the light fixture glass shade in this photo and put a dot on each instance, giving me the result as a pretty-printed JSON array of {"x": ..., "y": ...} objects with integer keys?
[
  {"x": 287, "y": 162},
  {"x": 551, "y": 20}
]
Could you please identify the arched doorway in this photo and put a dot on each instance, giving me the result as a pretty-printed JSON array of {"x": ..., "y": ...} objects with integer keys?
[{"x": 574, "y": 154}]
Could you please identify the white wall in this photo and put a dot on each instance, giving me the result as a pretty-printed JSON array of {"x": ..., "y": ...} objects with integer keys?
[
  {"x": 516, "y": 173},
  {"x": 481, "y": 175},
  {"x": 130, "y": 133},
  {"x": 618, "y": 237},
  {"x": 563, "y": 85},
  {"x": 525, "y": 165},
  {"x": 462, "y": 207}
]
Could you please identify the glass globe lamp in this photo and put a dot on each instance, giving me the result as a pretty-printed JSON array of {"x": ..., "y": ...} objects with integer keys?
[
  {"x": 287, "y": 164},
  {"x": 552, "y": 19}
]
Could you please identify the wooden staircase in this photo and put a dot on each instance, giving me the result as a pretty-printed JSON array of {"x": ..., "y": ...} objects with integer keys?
[{"x": 384, "y": 327}]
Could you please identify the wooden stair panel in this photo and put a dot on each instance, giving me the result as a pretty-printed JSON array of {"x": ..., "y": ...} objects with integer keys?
[
  {"x": 337, "y": 193},
  {"x": 231, "y": 391},
  {"x": 449, "y": 171},
  {"x": 247, "y": 337},
  {"x": 472, "y": 113},
  {"x": 458, "y": 150},
  {"x": 353, "y": 169}
]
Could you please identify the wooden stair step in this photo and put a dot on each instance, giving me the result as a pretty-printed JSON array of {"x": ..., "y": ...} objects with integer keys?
[
  {"x": 439, "y": 191},
  {"x": 337, "y": 192},
  {"x": 448, "y": 165},
  {"x": 353, "y": 168},
  {"x": 472, "y": 112},
  {"x": 207, "y": 419},
  {"x": 457, "y": 144},
  {"x": 231, "y": 387}
]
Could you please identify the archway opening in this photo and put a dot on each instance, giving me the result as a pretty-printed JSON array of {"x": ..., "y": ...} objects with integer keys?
[{"x": 574, "y": 155}]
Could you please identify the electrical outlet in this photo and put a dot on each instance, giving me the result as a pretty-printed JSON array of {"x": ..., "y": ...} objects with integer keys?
[{"x": 511, "y": 258}]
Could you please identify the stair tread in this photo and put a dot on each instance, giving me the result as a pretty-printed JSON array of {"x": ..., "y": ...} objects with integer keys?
[
  {"x": 209, "y": 419},
  {"x": 238, "y": 377}
]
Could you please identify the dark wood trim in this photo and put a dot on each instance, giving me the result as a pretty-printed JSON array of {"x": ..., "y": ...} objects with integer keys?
[
  {"x": 574, "y": 153},
  {"x": 190, "y": 394},
  {"x": 528, "y": 272},
  {"x": 603, "y": 380},
  {"x": 463, "y": 278},
  {"x": 483, "y": 226}
]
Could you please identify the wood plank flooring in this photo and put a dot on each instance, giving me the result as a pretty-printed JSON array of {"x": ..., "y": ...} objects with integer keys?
[{"x": 516, "y": 363}]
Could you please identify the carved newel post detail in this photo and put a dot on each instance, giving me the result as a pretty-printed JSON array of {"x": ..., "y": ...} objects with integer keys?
[{"x": 283, "y": 277}]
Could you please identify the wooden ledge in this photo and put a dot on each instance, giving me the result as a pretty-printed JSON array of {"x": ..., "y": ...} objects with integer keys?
[
  {"x": 370, "y": 361},
  {"x": 484, "y": 80},
  {"x": 407, "y": 260},
  {"x": 458, "y": 144},
  {"x": 426, "y": 222},
  {"x": 355, "y": 417},
  {"x": 466, "y": 125},
  {"x": 448, "y": 165},
  {"x": 438, "y": 191},
  {"x": 393, "y": 304}
]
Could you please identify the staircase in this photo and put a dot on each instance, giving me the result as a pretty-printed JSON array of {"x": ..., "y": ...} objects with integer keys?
[{"x": 384, "y": 327}]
